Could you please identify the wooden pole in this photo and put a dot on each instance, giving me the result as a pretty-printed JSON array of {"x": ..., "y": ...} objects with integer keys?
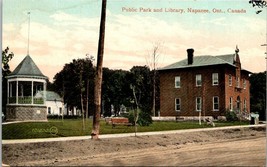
[{"x": 98, "y": 77}]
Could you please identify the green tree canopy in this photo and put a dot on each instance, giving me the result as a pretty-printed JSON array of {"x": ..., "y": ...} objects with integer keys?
[{"x": 258, "y": 93}]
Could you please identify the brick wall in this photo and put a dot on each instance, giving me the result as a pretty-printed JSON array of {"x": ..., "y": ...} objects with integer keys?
[
  {"x": 26, "y": 113},
  {"x": 189, "y": 91}
]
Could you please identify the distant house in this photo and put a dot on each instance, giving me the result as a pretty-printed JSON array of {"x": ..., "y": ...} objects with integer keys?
[
  {"x": 206, "y": 85},
  {"x": 54, "y": 103}
]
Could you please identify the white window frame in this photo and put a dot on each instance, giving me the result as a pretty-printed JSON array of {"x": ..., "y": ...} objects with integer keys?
[
  {"x": 177, "y": 80},
  {"x": 231, "y": 104},
  {"x": 198, "y": 78},
  {"x": 230, "y": 80},
  {"x": 177, "y": 104},
  {"x": 245, "y": 105},
  {"x": 49, "y": 110},
  {"x": 213, "y": 103},
  {"x": 214, "y": 79},
  {"x": 198, "y": 104},
  {"x": 237, "y": 82},
  {"x": 244, "y": 83}
]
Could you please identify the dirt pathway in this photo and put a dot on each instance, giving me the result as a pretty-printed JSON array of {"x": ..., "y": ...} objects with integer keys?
[{"x": 236, "y": 147}]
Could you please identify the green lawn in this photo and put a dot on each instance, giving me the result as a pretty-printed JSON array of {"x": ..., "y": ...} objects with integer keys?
[{"x": 73, "y": 127}]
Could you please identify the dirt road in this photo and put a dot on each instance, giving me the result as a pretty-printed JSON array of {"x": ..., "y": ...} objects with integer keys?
[{"x": 235, "y": 147}]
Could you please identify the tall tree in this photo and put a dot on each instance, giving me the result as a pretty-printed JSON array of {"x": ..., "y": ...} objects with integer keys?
[
  {"x": 6, "y": 58},
  {"x": 257, "y": 93},
  {"x": 115, "y": 90},
  {"x": 141, "y": 84},
  {"x": 152, "y": 61},
  {"x": 98, "y": 77},
  {"x": 65, "y": 82}
]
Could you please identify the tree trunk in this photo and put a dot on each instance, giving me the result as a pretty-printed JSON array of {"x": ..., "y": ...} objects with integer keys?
[
  {"x": 98, "y": 77},
  {"x": 154, "y": 93},
  {"x": 83, "y": 126},
  {"x": 87, "y": 99}
]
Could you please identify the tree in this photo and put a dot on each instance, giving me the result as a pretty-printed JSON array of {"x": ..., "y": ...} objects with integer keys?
[
  {"x": 115, "y": 90},
  {"x": 152, "y": 61},
  {"x": 6, "y": 58},
  {"x": 98, "y": 77},
  {"x": 257, "y": 94},
  {"x": 65, "y": 83},
  {"x": 141, "y": 84}
]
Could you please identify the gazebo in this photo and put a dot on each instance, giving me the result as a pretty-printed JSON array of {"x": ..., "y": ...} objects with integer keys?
[{"x": 23, "y": 85}]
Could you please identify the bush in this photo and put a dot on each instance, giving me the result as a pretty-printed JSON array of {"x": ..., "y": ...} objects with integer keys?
[
  {"x": 130, "y": 117},
  {"x": 231, "y": 116},
  {"x": 144, "y": 118}
]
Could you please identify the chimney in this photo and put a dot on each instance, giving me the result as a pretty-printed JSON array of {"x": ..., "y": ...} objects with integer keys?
[{"x": 190, "y": 55}]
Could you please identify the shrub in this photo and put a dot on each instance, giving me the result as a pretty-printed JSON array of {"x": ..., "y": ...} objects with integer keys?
[
  {"x": 231, "y": 116},
  {"x": 144, "y": 118}
]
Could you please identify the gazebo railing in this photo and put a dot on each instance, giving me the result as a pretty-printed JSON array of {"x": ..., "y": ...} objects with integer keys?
[
  {"x": 38, "y": 101},
  {"x": 26, "y": 100}
]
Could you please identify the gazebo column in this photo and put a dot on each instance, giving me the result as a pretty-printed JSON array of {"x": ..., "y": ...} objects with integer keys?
[
  {"x": 44, "y": 94},
  {"x": 17, "y": 92},
  {"x": 32, "y": 92},
  {"x": 7, "y": 92}
]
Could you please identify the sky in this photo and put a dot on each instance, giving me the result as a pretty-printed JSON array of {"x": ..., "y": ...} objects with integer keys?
[{"x": 63, "y": 30}]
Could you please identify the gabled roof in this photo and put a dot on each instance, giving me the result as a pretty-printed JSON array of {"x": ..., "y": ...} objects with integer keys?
[
  {"x": 27, "y": 68},
  {"x": 199, "y": 61},
  {"x": 50, "y": 95}
]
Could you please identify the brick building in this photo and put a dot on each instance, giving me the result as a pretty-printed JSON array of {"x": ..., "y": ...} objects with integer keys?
[{"x": 210, "y": 85}]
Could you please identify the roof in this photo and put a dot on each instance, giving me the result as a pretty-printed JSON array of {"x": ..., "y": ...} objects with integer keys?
[
  {"x": 50, "y": 95},
  {"x": 200, "y": 61},
  {"x": 27, "y": 68}
]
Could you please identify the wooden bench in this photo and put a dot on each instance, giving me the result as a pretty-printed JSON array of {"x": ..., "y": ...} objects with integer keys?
[{"x": 120, "y": 121}]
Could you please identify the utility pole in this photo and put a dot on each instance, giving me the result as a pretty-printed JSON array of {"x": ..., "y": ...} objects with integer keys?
[
  {"x": 99, "y": 71},
  {"x": 266, "y": 71}
]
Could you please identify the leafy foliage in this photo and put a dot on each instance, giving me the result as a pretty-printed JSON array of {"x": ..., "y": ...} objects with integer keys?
[
  {"x": 258, "y": 94},
  {"x": 72, "y": 80},
  {"x": 6, "y": 58},
  {"x": 231, "y": 116},
  {"x": 144, "y": 119}
]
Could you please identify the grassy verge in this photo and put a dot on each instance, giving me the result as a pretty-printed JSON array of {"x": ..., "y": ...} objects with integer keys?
[{"x": 73, "y": 127}]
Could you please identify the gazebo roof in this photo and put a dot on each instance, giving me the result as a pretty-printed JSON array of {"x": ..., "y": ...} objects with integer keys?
[{"x": 27, "y": 68}]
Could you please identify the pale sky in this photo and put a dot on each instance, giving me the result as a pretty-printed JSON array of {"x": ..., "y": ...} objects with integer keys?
[{"x": 63, "y": 30}]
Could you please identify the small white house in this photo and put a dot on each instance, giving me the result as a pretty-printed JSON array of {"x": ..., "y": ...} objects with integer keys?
[{"x": 54, "y": 103}]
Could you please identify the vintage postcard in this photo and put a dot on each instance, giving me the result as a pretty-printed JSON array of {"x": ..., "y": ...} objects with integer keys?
[{"x": 143, "y": 83}]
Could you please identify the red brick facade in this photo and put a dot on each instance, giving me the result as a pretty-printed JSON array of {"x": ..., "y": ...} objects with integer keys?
[{"x": 211, "y": 100}]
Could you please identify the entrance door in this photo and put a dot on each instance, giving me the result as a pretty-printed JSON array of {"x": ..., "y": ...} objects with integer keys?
[{"x": 238, "y": 103}]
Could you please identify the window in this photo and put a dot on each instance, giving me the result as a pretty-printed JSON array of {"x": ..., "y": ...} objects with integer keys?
[
  {"x": 198, "y": 104},
  {"x": 49, "y": 110},
  {"x": 215, "y": 79},
  {"x": 215, "y": 103},
  {"x": 244, "y": 83},
  {"x": 237, "y": 82},
  {"x": 230, "y": 80},
  {"x": 177, "y": 82},
  {"x": 178, "y": 104},
  {"x": 231, "y": 104},
  {"x": 60, "y": 110},
  {"x": 245, "y": 105},
  {"x": 198, "y": 80}
]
